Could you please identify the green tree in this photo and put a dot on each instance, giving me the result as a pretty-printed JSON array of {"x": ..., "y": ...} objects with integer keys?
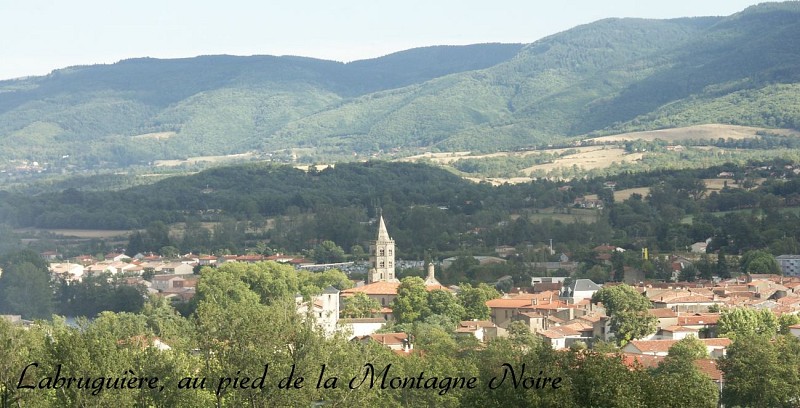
[
  {"x": 785, "y": 320},
  {"x": 360, "y": 305},
  {"x": 411, "y": 303},
  {"x": 690, "y": 348},
  {"x": 169, "y": 252},
  {"x": 328, "y": 252},
  {"x": 678, "y": 372},
  {"x": 25, "y": 286},
  {"x": 473, "y": 299},
  {"x": 761, "y": 373},
  {"x": 742, "y": 321},
  {"x": 628, "y": 310},
  {"x": 688, "y": 273},
  {"x": 759, "y": 262},
  {"x": 444, "y": 303}
]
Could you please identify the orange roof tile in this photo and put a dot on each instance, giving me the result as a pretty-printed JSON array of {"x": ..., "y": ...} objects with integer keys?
[
  {"x": 707, "y": 318},
  {"x": 375, "y": 288},
  {"x": 662, "y": 313}
]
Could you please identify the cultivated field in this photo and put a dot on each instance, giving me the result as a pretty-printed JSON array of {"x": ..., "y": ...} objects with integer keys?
[
  {"x": 574, "y": 214},
  {"x": 204, "y": 159},
  {"x": 156, "y": 135},
  {"x": 699, "y": 132},
  {"x": 75, "y": 233},
  {"x": 588, "y": 158},
  {"x": 622, "y": 195}
]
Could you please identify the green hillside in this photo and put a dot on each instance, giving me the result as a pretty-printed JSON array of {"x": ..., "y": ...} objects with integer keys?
[{"x": 606, "y": 77}]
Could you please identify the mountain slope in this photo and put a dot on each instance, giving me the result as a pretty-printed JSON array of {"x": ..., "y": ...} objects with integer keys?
[{"x": 610, "y": 76}]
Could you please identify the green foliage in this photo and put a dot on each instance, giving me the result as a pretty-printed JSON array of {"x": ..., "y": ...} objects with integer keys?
[
  {"x": 411, "y": 303},
  {"x": 608, "y": 76},
  {"x": 760, "y": 372},
  {"x": 473, "y": 300},
  {"x": 785, "y": 321},
  {"x": 25, "y": 286},
  {"x": 95, "y": 294},
  {"x": 759, "y": 262},
  {"x": 360, "y": 306},
  {"x": 628, "y": 309},
  {"x": 328, "y": 252},
  {"x": 678, "y": 372},
  {"x": 741, "y": 321},
  {"x": 689, "y": 348}
]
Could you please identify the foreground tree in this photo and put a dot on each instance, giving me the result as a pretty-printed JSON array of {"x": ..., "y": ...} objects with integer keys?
[
  {"x": 762, "y": 372},
  {"x": 25, "y": 286},
  {"x": 679, "y": 372}
]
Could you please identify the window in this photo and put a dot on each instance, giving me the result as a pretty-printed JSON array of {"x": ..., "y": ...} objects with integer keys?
[
  {"x": 382, "y": 252},
  {"x": 390, "y": 264},
  {"x": 383, "y": 301},
  {"x": 390, "y": 252},
  {"x": 383, "y": 264}
]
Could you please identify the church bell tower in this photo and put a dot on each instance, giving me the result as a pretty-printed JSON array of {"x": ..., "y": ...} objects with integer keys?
[{"x": 381, "y": 256}]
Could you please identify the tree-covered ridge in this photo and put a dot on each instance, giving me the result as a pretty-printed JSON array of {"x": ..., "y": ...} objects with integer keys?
[{"x": 606, "y": 77}]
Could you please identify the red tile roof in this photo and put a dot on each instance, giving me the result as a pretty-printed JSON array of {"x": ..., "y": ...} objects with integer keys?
[{"x": 375, "y": 288}]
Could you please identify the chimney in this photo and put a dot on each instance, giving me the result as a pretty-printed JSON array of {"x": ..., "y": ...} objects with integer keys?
[
  {"x": 431, "y": 271},
  {"x": 534, "y": 301}
]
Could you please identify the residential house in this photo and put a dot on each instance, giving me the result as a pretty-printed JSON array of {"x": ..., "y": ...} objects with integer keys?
[
  {"x": 394, "y": 341},
  {"x": 324, "y": 309},
  {"x": 361, "y": 327},
  {"x": 67, "y": 270},
  {"x": 561, "y": 337},
  {"x": 176, "y": 268},
  {"x": 581, "y": 289},
  {"x": 716, "y": 347},
  {"x": 506, "y": 309},
  {"x": 795, "y": 330},
  {"x": 115, "y": 257},
  {"x": 483, "y": 330}
]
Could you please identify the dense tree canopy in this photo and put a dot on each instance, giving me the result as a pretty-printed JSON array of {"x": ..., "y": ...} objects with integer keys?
[{"x": 628, "y": 309}]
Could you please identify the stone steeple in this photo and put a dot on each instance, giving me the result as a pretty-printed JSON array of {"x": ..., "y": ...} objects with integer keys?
[
  {"x": 381, "y": 256},
  {"x": 430, "y": 280}
]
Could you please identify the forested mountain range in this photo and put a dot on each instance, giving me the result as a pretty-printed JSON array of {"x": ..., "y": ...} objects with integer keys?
[{"x": 610, "y": 76}]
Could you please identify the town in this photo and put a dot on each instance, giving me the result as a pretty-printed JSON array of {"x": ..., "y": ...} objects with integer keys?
[{"x": 563, "y": 312}]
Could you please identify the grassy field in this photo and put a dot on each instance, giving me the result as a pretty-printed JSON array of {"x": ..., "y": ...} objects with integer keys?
[
  {"x": 699, "y": 132},
  {"x": 204, "y": 159},
  {"x": 75, "y": 233},
  {"x": 575, "y": 214},
  {"x": 587, "y": 158},
  {"x": 607, "y": 151}
]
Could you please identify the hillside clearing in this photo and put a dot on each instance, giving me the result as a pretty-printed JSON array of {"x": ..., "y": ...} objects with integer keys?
[{"x": 698, "y": 132}]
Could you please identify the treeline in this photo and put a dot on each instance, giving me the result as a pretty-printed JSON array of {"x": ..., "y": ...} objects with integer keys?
[{"x": 430, "y": 212}]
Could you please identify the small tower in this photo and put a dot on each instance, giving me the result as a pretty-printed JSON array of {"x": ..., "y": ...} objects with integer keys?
[
  {"x": 430, "y": 280},
  {"x": 381, "y": 256}
]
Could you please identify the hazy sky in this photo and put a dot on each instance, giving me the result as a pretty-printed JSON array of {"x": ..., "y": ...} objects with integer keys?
[{"x": 37, "y": 36}]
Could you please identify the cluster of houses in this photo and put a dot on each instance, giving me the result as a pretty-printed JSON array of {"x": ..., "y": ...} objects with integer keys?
[
  {"x": 170, "y": 278},
  {"x": 561, "y": 313}
]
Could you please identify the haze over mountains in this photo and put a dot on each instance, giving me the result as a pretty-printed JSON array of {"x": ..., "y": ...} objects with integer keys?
[{"x": 607, "y": 77}]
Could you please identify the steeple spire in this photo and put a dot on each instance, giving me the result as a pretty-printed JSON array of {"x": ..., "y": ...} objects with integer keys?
[
  {"x": 382, "y": 256},
  {"x": 383, "y": 234}
]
